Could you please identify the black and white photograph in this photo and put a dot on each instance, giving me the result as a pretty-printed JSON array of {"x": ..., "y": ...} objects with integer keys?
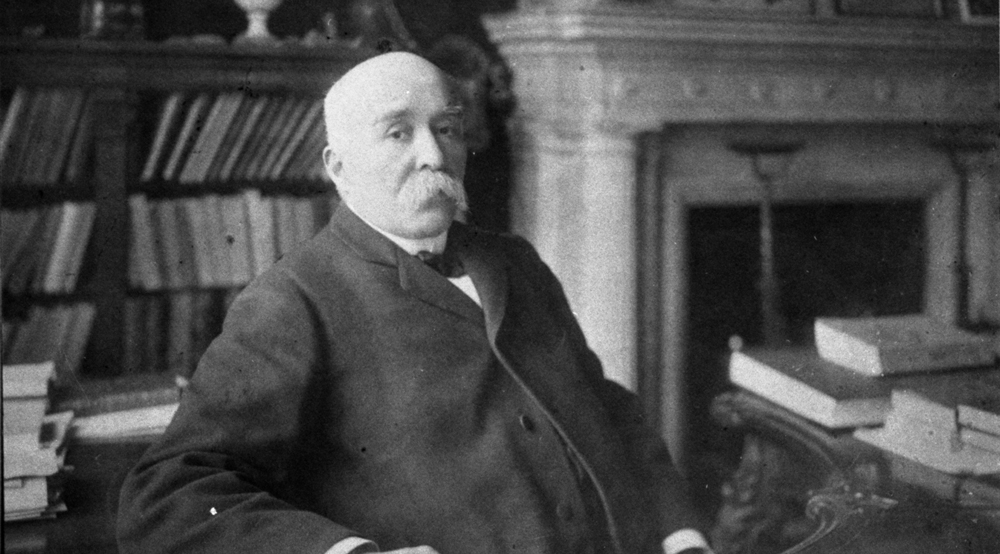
[{"x": 500, "y": 276}]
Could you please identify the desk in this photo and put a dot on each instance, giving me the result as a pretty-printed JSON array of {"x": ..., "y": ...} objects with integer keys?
[
  {"x": 789, "y": 463},
  {"x": 91, "y": 495}
]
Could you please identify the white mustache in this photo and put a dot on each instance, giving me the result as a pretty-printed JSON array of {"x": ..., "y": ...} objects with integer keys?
[{"x": 427, "y": 184}]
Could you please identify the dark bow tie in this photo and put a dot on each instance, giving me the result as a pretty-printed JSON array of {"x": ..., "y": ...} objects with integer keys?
[{"x": 446, "y": 263}]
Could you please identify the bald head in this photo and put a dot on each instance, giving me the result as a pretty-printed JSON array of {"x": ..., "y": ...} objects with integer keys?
[
  {"x": 395, "y": 144},
  {"x": 375, "y": 81}
]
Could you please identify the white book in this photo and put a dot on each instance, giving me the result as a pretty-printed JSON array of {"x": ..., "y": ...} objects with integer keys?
[
  {"x": 199, "y": 218},
  {"x": 150, "y": 420},
  {"x": 144, "y": 268},
  {"x": 58, "y": 260},
  {"x": 931, "y": 445},
  {"x": 798, "y": 380},
  {"x": 23, "y": 458},
  {"x": 169, "y": 112},
  {"x": 81, "y": 238},
  {"x": 899, "y": 344},
  {"x": 259, "y": 211},
  {"x": 27, "y": 380},
  {"x": 236, "y": 221},
  {"x": 25, "y": 494}
]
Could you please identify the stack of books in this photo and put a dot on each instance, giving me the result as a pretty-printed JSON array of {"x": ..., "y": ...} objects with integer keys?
[
  {"x": 134, "y": 407},
  {"x": 34, "y": 443},
  {"x": 911, "y": 385},
  {"x": 923, "y": 424}
]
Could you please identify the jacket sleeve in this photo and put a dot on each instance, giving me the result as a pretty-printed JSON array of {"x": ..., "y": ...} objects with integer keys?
[
  {"x": 624, "y": 410},
  {"x": 217, "y": 480}
]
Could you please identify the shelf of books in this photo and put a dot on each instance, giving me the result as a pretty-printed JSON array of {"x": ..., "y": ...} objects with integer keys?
[{"x": 143, "y": 186}]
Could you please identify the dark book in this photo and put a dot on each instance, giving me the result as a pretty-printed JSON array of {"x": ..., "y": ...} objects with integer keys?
[
  {"x": 80, "y": 147},
  {"x": 144, "y": 265},
  {"x": 248, "y": 128},
  {"x": 285, "y": 225},
  {"x": 17, "y": 228},
  {"x": 312, "y": 119},
  {"x": 14, "y": 121},
  {"x": 180, "y": 353},
  {"x": 282, "y": 136},
  {"x": 264, "y": 142},
  {"x": 239, "y": 120},
  {"x": 217, "y": 123},
  {"x": 194, "y": 119},
  {"x": 799, "y": 380},
  {"x": 74, "y": 100},
  {"x": 32, "y": 256},
  {"x": 155, "y": 342},
  {"x": 309, "y": 155},
  {"x": 31, "y": 142}
]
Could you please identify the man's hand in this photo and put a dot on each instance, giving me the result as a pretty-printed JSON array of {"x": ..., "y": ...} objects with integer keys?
[{"x": 414, "y": 550}]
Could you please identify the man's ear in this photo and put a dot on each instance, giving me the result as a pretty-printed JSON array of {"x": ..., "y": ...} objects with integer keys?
[{"x": 332, "y": 162}]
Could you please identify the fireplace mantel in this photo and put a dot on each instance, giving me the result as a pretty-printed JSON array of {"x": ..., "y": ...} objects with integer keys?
[
  {"x": 589, "y": 80},
  {"x": 633, "y": 67}
]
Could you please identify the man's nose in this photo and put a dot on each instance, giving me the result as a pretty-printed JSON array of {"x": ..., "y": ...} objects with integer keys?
[{"x": 430, "y": 155}]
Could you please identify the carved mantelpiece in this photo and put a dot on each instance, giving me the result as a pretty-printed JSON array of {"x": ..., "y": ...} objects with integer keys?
[{"x": 588, "y": 80}]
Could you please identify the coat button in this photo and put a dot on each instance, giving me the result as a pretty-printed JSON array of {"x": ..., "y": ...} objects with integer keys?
[
  {"x": 527, "y": 423},
  {"x": 565, "y": 512}
]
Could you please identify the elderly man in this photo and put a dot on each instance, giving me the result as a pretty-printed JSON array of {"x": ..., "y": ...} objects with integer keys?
[{"x": 403, "y": 381}]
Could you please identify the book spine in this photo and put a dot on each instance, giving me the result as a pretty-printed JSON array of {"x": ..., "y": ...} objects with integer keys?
[
  {"x": 168, "y": 115},
  {"x": 980, "y": 439},
  {"x": 13, "y": 122},
  {"x": 144, "y": 271},
  {"x": 81, "y": 144},
  {"x": 907, "y": 359},
  {"x": 982, "y": 420}
]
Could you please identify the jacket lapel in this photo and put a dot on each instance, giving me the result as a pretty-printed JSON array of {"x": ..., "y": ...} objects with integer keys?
[
  {"x": 488, "y": 274},
  {"x": 414, "y": 276}
]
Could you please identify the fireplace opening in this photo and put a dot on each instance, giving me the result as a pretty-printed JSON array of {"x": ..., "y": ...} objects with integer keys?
[{"x": 831, "y": 259}]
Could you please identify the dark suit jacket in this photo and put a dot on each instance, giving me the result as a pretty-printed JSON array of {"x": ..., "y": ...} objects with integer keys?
[{"x": 353, "y": 391}]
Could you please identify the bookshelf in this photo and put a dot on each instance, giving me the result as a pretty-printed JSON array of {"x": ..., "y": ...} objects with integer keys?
[{"x": 175, "y": 172}]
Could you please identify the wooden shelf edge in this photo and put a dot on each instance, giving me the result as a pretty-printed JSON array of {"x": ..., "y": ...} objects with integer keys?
[{"x": 173, "y": 66}]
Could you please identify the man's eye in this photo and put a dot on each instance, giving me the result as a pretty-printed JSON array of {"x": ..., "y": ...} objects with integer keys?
[
  {"x": 398, "y": 134},
  {"x": 450, "y": 129}
]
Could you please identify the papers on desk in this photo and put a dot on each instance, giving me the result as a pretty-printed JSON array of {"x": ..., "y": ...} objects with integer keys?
[
  {"x": 32, "y": 470},
  {"x": 34, "y": 444}
]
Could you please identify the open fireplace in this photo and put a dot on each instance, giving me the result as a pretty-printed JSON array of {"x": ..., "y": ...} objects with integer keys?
[{"x": 628, "y": 178}]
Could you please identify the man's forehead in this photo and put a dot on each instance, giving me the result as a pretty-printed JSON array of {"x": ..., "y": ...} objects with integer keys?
[
  {"x": 391, "y": 86},
  {"x": 408, "y": 103}
]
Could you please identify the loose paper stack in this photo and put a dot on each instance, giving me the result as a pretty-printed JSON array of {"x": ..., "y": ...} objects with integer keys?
[{"x": 34, "y": 443}]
